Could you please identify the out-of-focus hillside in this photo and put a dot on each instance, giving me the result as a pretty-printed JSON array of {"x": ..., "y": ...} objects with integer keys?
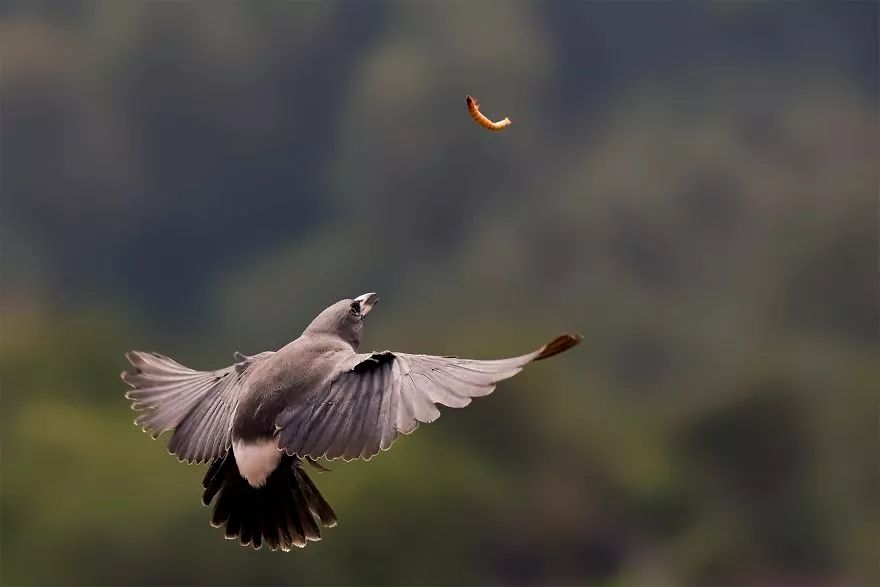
[{"x": 694, "y": 188}]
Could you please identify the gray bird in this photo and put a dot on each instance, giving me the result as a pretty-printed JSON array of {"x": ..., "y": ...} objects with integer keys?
[{"x": 256, "y": 420}]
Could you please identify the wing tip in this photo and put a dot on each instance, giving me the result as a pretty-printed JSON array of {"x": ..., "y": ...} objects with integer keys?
[{"x": 560, "y": 344}]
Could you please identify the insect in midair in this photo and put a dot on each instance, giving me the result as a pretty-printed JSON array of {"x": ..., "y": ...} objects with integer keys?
[{"x": 474, "y": 108}]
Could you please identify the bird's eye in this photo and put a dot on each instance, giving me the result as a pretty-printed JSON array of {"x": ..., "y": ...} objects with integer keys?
[{"x": 355, "y": 308}]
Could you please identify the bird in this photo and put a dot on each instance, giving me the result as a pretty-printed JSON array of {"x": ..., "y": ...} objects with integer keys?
[{"x": 259, "y": 420}]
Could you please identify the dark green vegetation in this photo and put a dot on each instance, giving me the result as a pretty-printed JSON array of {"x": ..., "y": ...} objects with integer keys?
[{"x": 692, "y": 188}]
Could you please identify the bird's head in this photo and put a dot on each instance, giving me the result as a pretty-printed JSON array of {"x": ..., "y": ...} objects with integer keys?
[{"x": 345, "y": 318}]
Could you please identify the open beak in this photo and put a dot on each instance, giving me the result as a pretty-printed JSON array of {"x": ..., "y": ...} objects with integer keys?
[{"x": 367, "y": 301}]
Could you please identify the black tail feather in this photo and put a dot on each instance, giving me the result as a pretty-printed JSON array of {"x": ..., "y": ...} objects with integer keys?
[
  {"x": 281, "y": 514},
  {"x": 316, "y": 503}
]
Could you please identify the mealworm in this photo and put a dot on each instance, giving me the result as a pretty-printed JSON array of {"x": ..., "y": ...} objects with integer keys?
[{"x": 474, "y": 108}]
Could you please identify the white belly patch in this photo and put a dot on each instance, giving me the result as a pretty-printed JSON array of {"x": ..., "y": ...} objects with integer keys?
[{"x": 256, "y": 460}]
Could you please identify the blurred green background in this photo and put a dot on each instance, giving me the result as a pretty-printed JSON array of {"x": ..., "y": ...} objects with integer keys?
[{"x": 691, "y": 186}]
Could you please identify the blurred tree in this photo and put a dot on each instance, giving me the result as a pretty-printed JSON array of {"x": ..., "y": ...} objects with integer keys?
[{"x": 691, "y": 186}]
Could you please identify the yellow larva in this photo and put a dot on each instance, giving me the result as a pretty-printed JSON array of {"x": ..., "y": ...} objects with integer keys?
[{"x": 474, "y": 108}]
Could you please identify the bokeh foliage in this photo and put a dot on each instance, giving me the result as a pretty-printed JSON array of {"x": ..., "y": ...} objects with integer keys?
[{"x": 692, "y": 187}]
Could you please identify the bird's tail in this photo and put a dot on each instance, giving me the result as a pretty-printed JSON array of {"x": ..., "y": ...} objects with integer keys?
[{"x": 287, "y": 511}]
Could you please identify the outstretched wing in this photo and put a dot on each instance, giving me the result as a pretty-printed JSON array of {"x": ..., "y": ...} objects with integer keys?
[
  {"x": 197, "y": 405},
  {"x": 381, "y": 395}
]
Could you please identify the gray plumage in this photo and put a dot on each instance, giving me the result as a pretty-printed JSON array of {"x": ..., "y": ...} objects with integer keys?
[
  {"x": 197, "y": 405},
  {"x": 315, "y": 397}
]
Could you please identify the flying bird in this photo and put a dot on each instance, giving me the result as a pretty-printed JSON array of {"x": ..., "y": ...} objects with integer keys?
[
  {"x": 473, "y": 107},
  {"x": 257, "y": 420}
]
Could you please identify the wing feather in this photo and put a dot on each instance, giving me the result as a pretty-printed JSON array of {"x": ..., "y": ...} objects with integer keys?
[
  {"x": 197, "y": 405},
  {"x": 423, "y": 406},
  {"x": 371, "y": 432},
  {"x": 405, "y": 422},
  {"x": 315, "y": 425},
  {"x": 333, "y": 420},
  {"x": 346, "y": 407},
  {"x": 390, "y": 418},
  {"x": 379, "y": 396}
]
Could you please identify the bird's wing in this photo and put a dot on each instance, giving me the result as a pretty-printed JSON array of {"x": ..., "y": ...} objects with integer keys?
[
  {"x": 379, "y": 396},
  {"x": 197, "y": 405}
]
